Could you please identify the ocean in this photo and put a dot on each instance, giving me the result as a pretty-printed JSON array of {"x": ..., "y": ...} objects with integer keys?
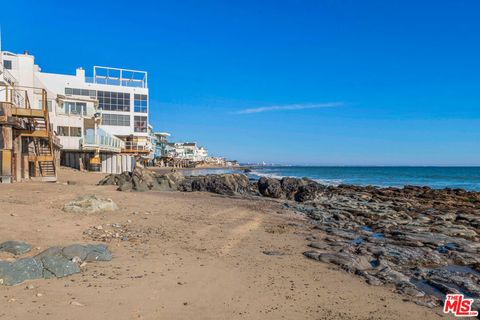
[{"x": 467, "y": 178}]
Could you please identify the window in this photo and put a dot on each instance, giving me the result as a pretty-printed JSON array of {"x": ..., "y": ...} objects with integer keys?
[
  {"x": 79, "y": 108},
  {"x": 75, "y": 132},
  {"x": 115, "y": 120},
  {"x": 140, "y": 103},
  {"x": 7, "y": 64},
  {"x": 63, "y": 131},
  {"x": 80, "y": 92},
  {"x": 49, "y": 104},
  {"x": 113, "y": 101},
  {"x": 140, "y": 124},
  {"x": 69, "y": 131}
]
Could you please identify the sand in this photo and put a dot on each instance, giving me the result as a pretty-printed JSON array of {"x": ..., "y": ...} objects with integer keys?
[{"x": 200, "y": 256}]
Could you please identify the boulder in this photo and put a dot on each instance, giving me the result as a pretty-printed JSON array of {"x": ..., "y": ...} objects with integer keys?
[
  {"x": 290, "y": 186},
  {"x": 90, "y": 204},
  {"x": 269, "y": 187}
]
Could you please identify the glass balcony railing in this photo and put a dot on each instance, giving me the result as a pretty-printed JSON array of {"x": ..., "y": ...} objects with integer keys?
[
  {"x": 103, "y": 142},
  {"x": 135, "y": 146}
]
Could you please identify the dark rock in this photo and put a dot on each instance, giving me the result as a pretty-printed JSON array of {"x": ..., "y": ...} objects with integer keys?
[
  {"x": 59, "y": 266},
  {"x": 12, "y": 273},
  {"x": 290, "y": 187},
  {"x": 225, "y": 184},
  {"x": 53, "y": 262},
  {"x": 269, "y": 187},
  {"x": 15, "y": 247}
]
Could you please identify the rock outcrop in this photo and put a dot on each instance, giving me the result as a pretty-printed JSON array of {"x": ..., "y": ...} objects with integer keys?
[
  {"x": 143, "y": 180},
  {"x": 226, "y": 184},
  {"x": 423, "y": 241},
  {"x": 300, "y": 190}
]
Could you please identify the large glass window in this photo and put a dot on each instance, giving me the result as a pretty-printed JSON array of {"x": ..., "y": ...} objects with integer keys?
[
  {"x": 115, "y": 120},
  {"x": 140, "y": 103},
  {"x": 113, "y": 101},
  {"x": 80, "y": 92},
  {"x": 78, "y": 108},
  {"x": 140, "y": 124}
]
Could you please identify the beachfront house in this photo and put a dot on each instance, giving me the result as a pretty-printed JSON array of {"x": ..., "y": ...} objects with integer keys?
[{"x": 101, "y": 120}]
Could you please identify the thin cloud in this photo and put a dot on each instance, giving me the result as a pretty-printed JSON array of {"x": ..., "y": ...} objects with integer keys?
[{"x": 291, "y": 107}]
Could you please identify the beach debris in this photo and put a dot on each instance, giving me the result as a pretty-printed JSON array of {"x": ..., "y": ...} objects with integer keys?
[
  {"x": 15, "y": 247},
  {"x": 272, "y": 253},
  {"x": 54, "y": 262},
  {"x": 120, "y": 232},
  {"x": 90, "y": 204}
]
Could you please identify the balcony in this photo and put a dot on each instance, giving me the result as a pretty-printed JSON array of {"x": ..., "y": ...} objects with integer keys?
[
  {"x": 118, "y": 77},
  {"x": 6, "y": 76},
  {"x": 102, "y": 142},
  {"x": 135, "y": 147}
]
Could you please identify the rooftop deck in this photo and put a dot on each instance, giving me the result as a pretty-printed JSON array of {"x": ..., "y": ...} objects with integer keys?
[{"x": 118, "y": 77}]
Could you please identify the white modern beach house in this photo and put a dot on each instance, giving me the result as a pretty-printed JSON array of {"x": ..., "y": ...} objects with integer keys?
[{"x": 101, "y": 120}]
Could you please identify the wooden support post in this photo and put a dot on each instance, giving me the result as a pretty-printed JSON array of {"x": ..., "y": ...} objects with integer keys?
[
  {"x": 25, "y": 167},
  {"x": 6, "y": 145},
  {"x": 17, "y": 158}
]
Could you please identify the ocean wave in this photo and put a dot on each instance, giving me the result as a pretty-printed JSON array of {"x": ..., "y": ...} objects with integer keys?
[{"x": 328, "y": 182}]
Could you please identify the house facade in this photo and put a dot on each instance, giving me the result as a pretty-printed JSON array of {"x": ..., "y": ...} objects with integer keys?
[{"x": 102, "y": 116}]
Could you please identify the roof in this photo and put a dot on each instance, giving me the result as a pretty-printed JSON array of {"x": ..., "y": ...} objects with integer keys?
[{"x": 166, "y": 134}]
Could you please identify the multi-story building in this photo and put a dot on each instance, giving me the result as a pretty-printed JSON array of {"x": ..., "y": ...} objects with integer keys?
[
  {"x": 104, "y": 116},
  {"x": 188, "y": 151}
]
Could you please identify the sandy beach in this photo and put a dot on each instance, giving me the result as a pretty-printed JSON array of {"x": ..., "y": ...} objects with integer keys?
[{"x": 196, "y": 255}]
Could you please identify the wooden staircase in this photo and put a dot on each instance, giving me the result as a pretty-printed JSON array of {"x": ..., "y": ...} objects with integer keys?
[{"x": 37, "y": 140}]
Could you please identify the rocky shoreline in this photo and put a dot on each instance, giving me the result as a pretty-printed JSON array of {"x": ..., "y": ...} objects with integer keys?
[{"x": 421, "y": 241}]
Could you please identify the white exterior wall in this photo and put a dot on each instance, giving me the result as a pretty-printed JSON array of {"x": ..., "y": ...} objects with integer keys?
[{"x": 56, "y": 83}]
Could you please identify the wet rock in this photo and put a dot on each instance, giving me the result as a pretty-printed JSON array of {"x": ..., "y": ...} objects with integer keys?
[
  {"x": 15, "y": 247},
  {"x": 90, "y": 204}
]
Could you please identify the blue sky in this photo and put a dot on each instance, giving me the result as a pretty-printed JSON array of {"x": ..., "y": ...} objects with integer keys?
[{"x": 296, "y": 82}]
